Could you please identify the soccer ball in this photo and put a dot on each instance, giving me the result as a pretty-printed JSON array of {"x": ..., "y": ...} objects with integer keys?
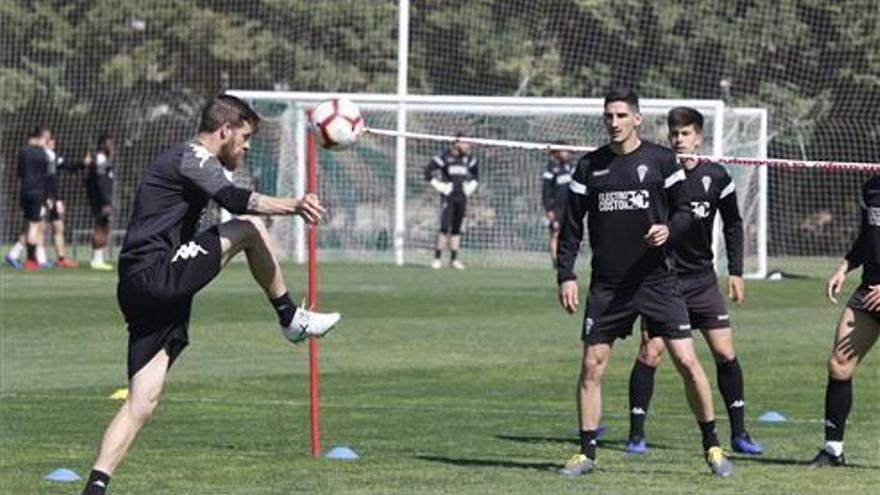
[{"x": 337, "y": 124}]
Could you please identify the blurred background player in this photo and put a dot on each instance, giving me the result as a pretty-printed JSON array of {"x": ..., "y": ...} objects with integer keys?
[
  {"x": 33, "y": 164},
  {"x": 453, "y": 173},
  {"x": 99, "y": 187},
  {"x": 54, "y": 205},
  {"x": 632, "y": 194},
  {"x": 709, "y": 189},
  {"x": 858, "y": 328},
  {"x": 554, "y": 192}
]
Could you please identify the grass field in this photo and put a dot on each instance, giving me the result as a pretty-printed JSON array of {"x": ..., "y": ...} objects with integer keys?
[{"x": 443, "y": 382}]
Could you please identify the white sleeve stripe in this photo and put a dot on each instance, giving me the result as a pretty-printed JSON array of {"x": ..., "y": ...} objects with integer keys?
[
  {"x": 674, "y": 178},
  {"x": 438, "y": 161},
  {"x": 548, "y": 175},
  {"x": 578, "y": 188},
  {"x": 728, "y": 190}
]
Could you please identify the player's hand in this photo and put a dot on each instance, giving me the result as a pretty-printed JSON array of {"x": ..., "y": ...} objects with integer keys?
[
  {"x": 657, "y": 235},
  {"x": 736, "y": 289},
  {"x": 835, "y": 283},
  {"x": 107, "y": 210},
  {"x": 310, "y": 209},
  {"x": 88, "y": 160},
  {"x": 871, "y": 300},
  {"x": 568, "y": 295}
]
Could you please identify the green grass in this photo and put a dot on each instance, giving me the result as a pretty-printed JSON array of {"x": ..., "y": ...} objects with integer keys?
[{"x": 444, "y": 382}]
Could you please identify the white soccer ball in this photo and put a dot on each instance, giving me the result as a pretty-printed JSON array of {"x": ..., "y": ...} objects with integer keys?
[{"x": 337, "y": 124}]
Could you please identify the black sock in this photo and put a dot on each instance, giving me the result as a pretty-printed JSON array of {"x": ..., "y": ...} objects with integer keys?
[
  {"x": 285, "y": 308},
  {"x": 588, "y": 443},
  {"x": 710, "y": 437},
  {"x": 437, "y": 254},
  {"x": 453, "y": 255},
  {"x": 641, "y": 388},
  {"x": 31, "y": 252},
  {"x": 97, "y": 483},
  {"x": 730, "y": 381},
  {"x": 838, "y": 402}
]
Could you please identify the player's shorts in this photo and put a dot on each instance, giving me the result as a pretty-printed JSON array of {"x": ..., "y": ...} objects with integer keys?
[
  {"x": 705, "y": 304},
  {"x": 612, "y": 310},
  {"x": 99, "y": 201},
  {"x": 55, "y": 208},
  {"x": 33, "y": 205},
  {"x": 554, "y": 224},
  {"x": 157, "y": 301},
  {"x": 855, "y": 302},
  {"x": 452, "y": 215}
]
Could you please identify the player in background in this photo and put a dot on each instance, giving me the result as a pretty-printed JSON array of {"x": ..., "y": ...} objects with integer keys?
[
  {"x": 55, "y": 206},
  {"x": 859, "y": 325},
  {"x": 709, "y": 189},
  {"x": 99, "y": 188},
  {"x": 632, "y": 193},
  {"x": 33, "y": 163},
  {"x": 554, "y": 192},
  {"x": 164, "y": 261},
  {"x": 453, "y": 173}
]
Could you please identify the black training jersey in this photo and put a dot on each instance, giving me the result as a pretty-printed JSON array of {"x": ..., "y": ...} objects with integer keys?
[
  {"x": 556, "y": 177},
  {"x": 454, "y": 169},
  {"x": 170, "y": 199},
  {"x": 99, "y": 178},
  {"x": 865, "y": 251},
  {"x": 33, "y": 163},
  {"x": 622, "y": 196},
  {"x": 53, "y": 161},
  {"x": 709, "y": 189}
]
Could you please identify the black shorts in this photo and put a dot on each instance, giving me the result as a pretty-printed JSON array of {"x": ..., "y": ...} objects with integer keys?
[
  {"x": 855, "y": 302},
  {"x": 100, "y": 203},
  {"x": 705, "y": 304},
  {"x": 157, "y": 301},
  {"x": 33, "y": 204},
  {"x": 452, "y": 214},
  {"x": 55, "y": 208},
  {"x": 554, "y": 224},
  {"x": 612, "y": 309}
]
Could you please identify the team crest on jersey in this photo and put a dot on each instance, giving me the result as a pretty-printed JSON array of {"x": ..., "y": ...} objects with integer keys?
[
  {"x": 642, "y": 170},
  {"x": 707, "y": 182},
  {"x": 874, "y": 216},
  {"x": 623, "y": 200},
  {"x": 700, "y": 209}
]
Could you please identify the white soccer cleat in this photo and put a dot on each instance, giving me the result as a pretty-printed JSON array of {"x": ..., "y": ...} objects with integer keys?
[
  {"x": 307, "y": 323},
  {"x": 458, "y": 265},
  {"x": 436, "y": 264}
]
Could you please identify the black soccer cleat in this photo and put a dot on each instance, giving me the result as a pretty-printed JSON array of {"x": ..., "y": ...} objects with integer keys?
[{"x": 825, "y": 458}]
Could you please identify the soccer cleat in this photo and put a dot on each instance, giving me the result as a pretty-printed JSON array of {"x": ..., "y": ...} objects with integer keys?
[
  {"x": 718, "y": 462},
  {"x": 744, "y": 444},
  {"x": 825, "y": 458},
  {"x": 578, "y": 465},
  {"x": 458, "y": 265},
  {"x": 307, "y": 323},
  {"x": 636, "y": 445},
  {"x": 101, "y": 265},
  {"x": 436, "y": 264},
  {"x": 66, "y": 263},
  {"x": 31, "y": 265},
  {"x": 14, "y": 263}
]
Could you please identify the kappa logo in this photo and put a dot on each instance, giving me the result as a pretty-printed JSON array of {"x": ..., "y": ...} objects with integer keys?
[
  {"x": 188, "y": 251},
  {"x": 700, "y": 209},
  {"x": 830, "y": 424},
  {"x": 642, "y": 170},
  {"x": 707, "y": 183},
  {"x": 738, "y": 404},
  {"x": 723, "y": 317},
  {"x": 201, "y": 153},
  {"x": 599, "y": 173},
  {"x": 638, "y": 411},
  {"x": 588, "y": 325}
]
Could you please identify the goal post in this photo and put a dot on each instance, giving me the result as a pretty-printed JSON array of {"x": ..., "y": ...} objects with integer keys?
[{"x": 381, "y": 210}]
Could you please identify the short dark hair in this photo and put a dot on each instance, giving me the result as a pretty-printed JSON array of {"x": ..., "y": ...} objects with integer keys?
[
  {"x": 227, "y": 109},
  {"x": 684, "y": 116},
  {"x": 37, "y": 131},
  {"x": 103, "y": 138},
  {"x": 625, "y": 95}
]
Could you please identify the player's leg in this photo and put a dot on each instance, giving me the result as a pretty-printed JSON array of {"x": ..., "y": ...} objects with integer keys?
[
  {"x": 641, "y": 389},
  {"x": 248, "y": 234},
  {"x": 857, "y": 331},
  {"x": 458, "y": 211},
  {"x": 144, "y": 390},
  {"x": 100, "y": 237},
  {"x": 12, "y": 257},
  {"x": 442, "y": 234},
  {"x": 56, "y": 216}
]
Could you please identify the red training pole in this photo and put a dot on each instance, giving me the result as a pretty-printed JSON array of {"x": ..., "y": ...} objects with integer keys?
[{"x": 312, "y": 187}]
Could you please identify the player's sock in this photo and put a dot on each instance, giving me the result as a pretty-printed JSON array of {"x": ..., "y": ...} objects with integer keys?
[
  {"x": 32, "y": 252},
  {"x": 437, "y": 254},
  {"x": 730, "y": 381},
  {"x": 285, "y": 308},
  {"x": 97, "y": 483},
  {"x": 710, "y": 436},
  {"x": 453, "y": 255},
  {"x": 641, "y": 388},
  {"x": 588, "y": 443},
  {"x": 16, "y": 250},
  {"x": 41, "y": 255},
  {"x": 98, "y": 255},
  {"x": 838, "y": 402}
]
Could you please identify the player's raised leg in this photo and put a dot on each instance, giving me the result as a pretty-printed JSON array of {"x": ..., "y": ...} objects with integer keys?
[{"x": 641, "y": 389}]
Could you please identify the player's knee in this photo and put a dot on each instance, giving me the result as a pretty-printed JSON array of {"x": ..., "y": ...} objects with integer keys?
[
  {"x": 689, "y": 364},
  {"x": 840, "y": 366},
  {"x": 256, "y": 226},
  {"x": 142, "y": 408},
  {"x": 593, "y": 370},
  {"x": 651, "y": 355}
]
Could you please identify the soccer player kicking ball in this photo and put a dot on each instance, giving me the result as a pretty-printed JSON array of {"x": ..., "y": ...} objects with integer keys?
[
  {"x": 632, "y": 193},
  {"x": 859, "y": 325},
  {"x": 164, "y": 261},
  {"x": 709, "y": 189}
]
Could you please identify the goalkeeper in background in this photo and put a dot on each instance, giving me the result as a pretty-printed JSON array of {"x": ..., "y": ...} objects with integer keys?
[
  {"x": 453, "y": 173},
  {"x": 554, "y": 192}
]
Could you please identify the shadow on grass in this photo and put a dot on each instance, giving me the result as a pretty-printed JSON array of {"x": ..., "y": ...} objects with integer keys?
[
  {"x": 778, "y": 461},
  {"x": 610, "y": 444},
  {"x": 492, "y": 463}
]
